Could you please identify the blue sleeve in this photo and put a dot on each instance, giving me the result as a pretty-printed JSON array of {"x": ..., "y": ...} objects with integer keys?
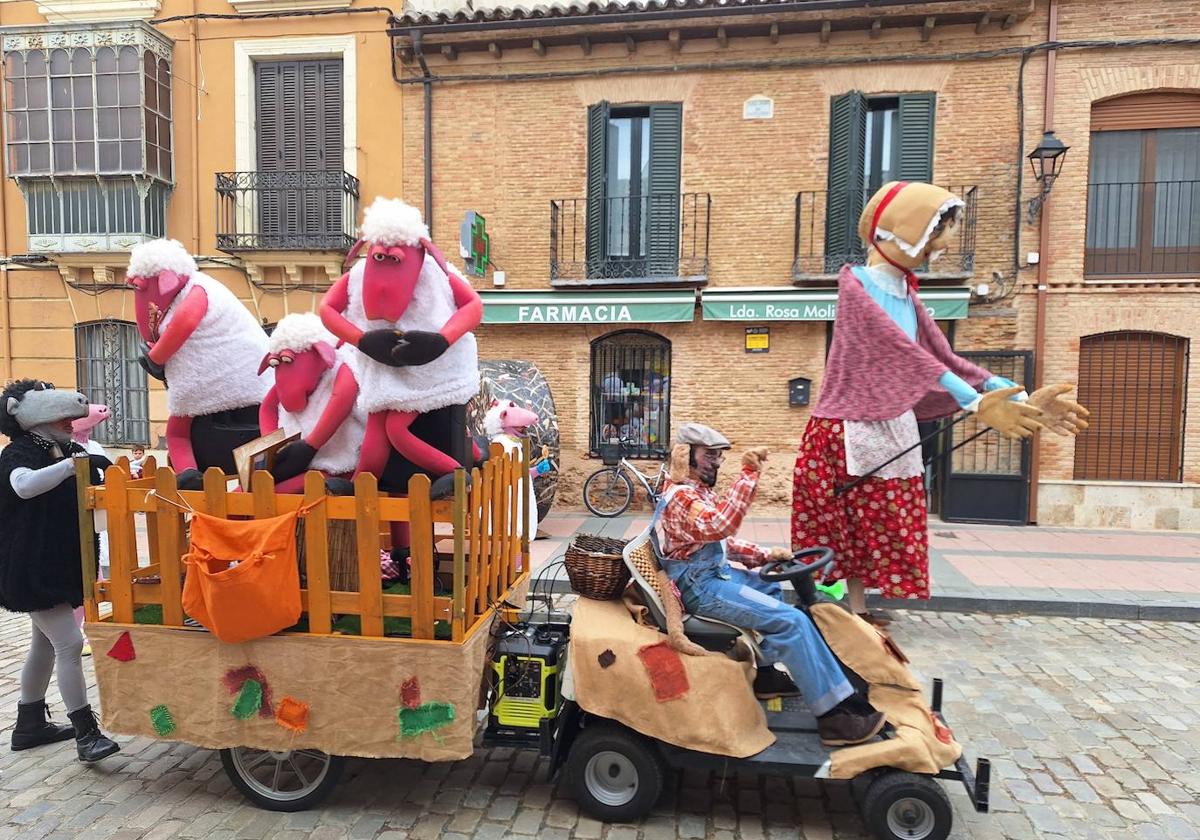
[
  {"x": 995, "y": 383},
  {"x": 963, "y": 393}
]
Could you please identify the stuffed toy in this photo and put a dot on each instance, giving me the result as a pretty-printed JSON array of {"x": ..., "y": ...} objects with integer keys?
[
  {"x": 206, "y": 346},
  {"x": 316, "y": 395},
  {"x": 507, "y": 423},
  {"x": 411, "y": 317},
  {"x": 889, "y": 366}
]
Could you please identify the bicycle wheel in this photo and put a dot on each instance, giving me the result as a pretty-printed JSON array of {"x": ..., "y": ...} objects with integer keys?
[{"x": 607, "y": 492}]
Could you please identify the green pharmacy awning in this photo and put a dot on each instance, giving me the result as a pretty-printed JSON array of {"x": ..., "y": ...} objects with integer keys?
[
  {"x": 785, "y": 304},
  {"x": 628, "y": 307}
]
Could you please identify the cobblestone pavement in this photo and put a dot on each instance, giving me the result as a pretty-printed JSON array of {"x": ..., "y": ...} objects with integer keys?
[{"x": 1091, "y": 725}]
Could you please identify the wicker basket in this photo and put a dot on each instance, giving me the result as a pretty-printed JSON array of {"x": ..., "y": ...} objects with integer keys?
[{"x": 595, "y": 567}]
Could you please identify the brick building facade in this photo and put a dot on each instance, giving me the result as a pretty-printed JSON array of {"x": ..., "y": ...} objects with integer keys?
[{"x": 511, "y": 103}]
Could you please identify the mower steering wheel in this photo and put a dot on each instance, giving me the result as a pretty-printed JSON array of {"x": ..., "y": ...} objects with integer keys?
[{"x": 778, "y": 571}]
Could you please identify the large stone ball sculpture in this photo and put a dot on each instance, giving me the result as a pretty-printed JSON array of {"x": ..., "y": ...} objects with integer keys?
[{"x": 524, "y": 384}]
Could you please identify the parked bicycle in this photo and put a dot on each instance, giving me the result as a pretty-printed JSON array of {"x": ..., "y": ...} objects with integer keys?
[{"x": 609, "y": 491}]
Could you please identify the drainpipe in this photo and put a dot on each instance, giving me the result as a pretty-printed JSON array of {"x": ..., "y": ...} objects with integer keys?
[
  {"x": 1039, "y": 339},
  {"x": 427, "y": 83},
  {"x": 5, "y": 298},
  {"x": 195, "y": 132}
]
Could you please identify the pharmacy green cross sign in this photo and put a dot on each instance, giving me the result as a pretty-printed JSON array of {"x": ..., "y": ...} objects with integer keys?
[{"x": 474, "y": 243}]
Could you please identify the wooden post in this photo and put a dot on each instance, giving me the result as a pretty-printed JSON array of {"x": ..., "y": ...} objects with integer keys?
[
  {"x": 478, "y": 517},
  {"x": 214, "y": 492},
  {"x": 459, "y": 614},
  {"x": 120, "y": 537},
  {"x": 370, "y": 582},
  {"x": 420, "y": 516},
  {"x": 262, "y": 484},
  {"x": 487, "y": 585},
  {"x": 169, "y": 527},
  {"x": 316, "y": 559},
  {"x": 87, "y": 546},
  {"x": 530, "y": 508},
  {"x": 498, "y": 523},
  {"x": 511, "y": 540}
]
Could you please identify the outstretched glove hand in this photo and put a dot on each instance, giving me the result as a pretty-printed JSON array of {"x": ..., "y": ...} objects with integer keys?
[
  {"x": 291, "y": 460},
  {"x": 97, "y": 465},
  {"x": 1060, "y": 415},
  {"x": 755, "y": 458},
  {"x": 1014, "y": 420},
  {"x": 418, "y": 347},
  {"x": 379, "y": 344},
  {"x": 152, "y": 367}
]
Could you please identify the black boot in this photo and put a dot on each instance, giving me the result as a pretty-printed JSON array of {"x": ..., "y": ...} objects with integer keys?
[
  {"x": 90, "y": 742},
  {"x": 34, "y": 727}
]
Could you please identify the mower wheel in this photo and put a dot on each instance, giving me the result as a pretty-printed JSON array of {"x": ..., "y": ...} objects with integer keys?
[
  {"x": 287, "y": 780},
  {"x": 616, "y": 774},
  {"x": 905, "y": 806}
]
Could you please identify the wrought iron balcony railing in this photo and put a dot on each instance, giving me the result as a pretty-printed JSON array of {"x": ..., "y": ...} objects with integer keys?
[
  {"x": 1143, "y": 228},
  {"x": 656, "y": 238},
  {"x": 826, "y": 237},
  {"x": 310, "y": 210}
]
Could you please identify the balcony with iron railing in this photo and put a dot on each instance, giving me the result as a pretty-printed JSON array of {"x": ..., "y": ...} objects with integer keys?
[
  {"x": 630, "y": 240},
  {"x": 826, "y": 238},
  {"x": 1143, "y": 229},
  {"x": 310, "y": 210}
]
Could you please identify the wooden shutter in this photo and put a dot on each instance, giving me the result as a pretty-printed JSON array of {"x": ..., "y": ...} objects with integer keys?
[
  {"x": 1135, "y": 385},
  {"x": 597, "y": 157},
  {"x": 916, "y": 136},
  {"x": 845, "y": 186},
  {"x": 662, "y": 204},
  {"x": 1155, "y": 109}
]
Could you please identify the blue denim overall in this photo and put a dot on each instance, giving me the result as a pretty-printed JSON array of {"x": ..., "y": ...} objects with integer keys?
[{"x": 712, "y": 588}]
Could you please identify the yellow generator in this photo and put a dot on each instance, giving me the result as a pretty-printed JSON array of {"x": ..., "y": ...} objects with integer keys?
[{"x": 526, "y": 680}]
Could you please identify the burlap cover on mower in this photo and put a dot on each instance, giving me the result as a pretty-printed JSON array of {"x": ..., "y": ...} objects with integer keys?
[
  {"x": 921, "y": 744},
  {"x": 626, "y": 672}
]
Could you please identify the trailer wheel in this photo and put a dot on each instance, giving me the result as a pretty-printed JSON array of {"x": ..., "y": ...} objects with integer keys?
[
  {"x": 285, "y": 780},
  {"x": 616, "y": 774},
  {"x": 904, "y": 806}
]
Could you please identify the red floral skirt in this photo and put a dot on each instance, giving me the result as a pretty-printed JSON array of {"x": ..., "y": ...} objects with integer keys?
[{"x": 878, "y": 529}]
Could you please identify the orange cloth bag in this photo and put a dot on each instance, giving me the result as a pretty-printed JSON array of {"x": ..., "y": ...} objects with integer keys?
[{"x": 258, "y": 596}]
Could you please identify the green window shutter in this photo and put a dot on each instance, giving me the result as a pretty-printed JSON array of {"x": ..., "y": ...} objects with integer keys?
[
  {"x": 662, "y": 202},
  {"x": 844, "y": 198},
  {"x": 597, "y": 155},
  {"x": 916, "y": 136}
]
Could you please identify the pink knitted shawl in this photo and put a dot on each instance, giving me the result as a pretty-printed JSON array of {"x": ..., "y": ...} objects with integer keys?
[{"x": 876, "y": 372}]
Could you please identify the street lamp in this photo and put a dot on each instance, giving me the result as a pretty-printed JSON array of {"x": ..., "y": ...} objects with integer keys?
[{"x": 1046, "y": 161}]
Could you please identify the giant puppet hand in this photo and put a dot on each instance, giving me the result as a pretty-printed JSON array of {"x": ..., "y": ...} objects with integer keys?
[
  {"x": 379, "y": 344},
  {"x": 418, "y": 347},
  {"x": 152, "y": 367},
  {"x": 1060, "y": 415},
  {"x": 292, "y": 460},
  {"x": 1010, "y": 418}
]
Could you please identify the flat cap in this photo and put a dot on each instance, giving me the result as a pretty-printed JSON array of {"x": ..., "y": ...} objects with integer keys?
[{"x": 697, "y": 434}]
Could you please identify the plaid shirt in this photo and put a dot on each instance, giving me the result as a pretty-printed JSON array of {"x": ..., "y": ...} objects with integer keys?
[{"x": 695, "y": 515}]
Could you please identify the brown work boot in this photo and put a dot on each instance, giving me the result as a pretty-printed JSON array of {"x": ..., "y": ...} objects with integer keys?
[{"x": 842, "y": 728}]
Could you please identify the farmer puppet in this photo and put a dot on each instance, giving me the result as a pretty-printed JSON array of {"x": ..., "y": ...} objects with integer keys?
[{"x": 889, "y": 367}]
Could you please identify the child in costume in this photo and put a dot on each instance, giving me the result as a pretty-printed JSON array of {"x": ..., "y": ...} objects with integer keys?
[
  {"x": 40, "y": 566},
  {"x": 889, "y": 367}
]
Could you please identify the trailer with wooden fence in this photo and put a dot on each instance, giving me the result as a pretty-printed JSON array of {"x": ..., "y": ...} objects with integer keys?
[{"x": 371, "y": 671}]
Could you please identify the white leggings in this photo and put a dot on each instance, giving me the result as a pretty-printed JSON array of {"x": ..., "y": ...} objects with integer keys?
[{"x": 56, "y": 645}]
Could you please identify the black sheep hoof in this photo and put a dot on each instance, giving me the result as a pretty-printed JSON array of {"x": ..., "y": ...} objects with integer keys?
[
  {"x": 190, "y": 480},
  {"x": 443, "y": 486},
  {"x": 339, "y": 487}
]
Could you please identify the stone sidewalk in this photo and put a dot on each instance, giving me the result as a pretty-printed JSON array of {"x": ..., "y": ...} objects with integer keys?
[{"x": 996, "y": 569}]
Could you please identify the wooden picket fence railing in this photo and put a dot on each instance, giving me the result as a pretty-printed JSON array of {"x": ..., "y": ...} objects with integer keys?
[{"x": 486, "y": 539}]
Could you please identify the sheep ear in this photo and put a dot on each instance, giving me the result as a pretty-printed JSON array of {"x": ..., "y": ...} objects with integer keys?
[
  {"x": 266, "y": 361},
  {"x": 352, "y": 255},
  {"x": 169, "y": 282},
  {"x": 325, "y": 352},
  {"x": 11, "y": 407}
]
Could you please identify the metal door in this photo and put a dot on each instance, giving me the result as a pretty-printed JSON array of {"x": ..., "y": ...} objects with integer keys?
[{"x": 987, "y": 479}]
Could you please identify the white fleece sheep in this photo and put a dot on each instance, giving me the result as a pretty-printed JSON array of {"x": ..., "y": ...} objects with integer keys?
[
  {"x": 390, "y": 221},
  {"x": 299, "y": 333},
  {"x": 339, "y": 455},
  {"x": 150, "y": 258}
]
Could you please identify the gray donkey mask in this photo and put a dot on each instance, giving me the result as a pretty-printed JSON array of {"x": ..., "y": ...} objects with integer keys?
[{"x": 48, "y": 411}]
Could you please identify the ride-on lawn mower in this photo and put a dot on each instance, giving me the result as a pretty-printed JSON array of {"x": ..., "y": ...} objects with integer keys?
[{"x": 617, "y": 772}]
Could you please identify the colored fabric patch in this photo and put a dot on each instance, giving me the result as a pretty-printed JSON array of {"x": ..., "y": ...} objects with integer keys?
[
  {"x": 164, "y": 724},
  {"x": 410, "y": 693},
  {"x": 122, "y": 649},
  {"x": 606, "y": 659},
  {"x": 940, "y": 730},
  {"x": 235, "y": 678},
  {"x": 428, "y": 717},
  {"x": 667, "y": 674},
  {"x": 249, "y": 700},
  {"x": 292, "y": 714}
]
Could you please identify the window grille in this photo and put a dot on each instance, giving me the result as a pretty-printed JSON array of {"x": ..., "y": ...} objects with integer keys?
[
  {"x": 108, "y": 372},
  {"x": 631, "y": 393},
  {"x": 1135, "y": 385}
]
